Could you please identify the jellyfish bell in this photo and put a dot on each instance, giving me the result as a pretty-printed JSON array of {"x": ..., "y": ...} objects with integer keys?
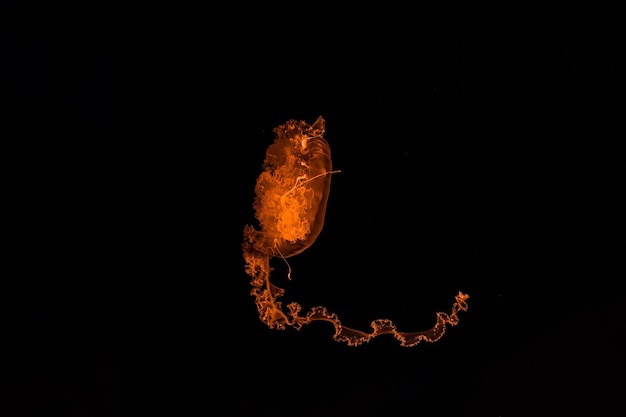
[
  {"x": 290, "y": 206},
  {"x": 292, "y": 191}
]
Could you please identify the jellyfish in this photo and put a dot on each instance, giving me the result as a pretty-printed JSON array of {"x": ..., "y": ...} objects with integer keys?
[{"x": 290, "y": 206}]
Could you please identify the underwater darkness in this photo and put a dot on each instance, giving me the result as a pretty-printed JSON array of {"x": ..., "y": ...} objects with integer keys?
[{"x": 480, "y": 151}]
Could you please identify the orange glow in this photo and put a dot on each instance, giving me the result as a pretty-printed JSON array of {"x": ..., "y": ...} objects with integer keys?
[{"x": 290, "y": 205}]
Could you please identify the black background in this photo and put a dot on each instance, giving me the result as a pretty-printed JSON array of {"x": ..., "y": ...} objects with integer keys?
[{"x": 480, "y": 151}]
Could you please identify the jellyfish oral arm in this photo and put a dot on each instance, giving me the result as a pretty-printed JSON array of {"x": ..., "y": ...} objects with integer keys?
[{"x": 290, "y": 205}]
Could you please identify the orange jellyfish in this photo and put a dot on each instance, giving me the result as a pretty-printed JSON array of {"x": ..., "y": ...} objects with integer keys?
[{"x": 290, "y": 206}]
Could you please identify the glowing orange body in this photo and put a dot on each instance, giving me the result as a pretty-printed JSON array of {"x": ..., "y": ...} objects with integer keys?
[
  {"x": 293, "y": 189},
  {"x": 290, "y": 205}
]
